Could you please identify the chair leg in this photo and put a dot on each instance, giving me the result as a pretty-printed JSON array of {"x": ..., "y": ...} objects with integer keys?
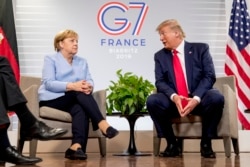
[
  {"x": 102, "y": 146},
  {"x": 33, "y": 148},
  {"x": 20, "y": 145},
  {"x": 180, "y": 143},
  {"x": 235, "y": 146},
  {"x": 227, "y": 146},
  {"x": 157, "y": 144},
  {"x": 32, "y": 145}
]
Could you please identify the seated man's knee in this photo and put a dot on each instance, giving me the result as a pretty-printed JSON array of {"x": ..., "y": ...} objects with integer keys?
[
  {"x": 151, "y": 100},
  {"x": 218, "y": 98},
  {"x": 215, "y": 97}
]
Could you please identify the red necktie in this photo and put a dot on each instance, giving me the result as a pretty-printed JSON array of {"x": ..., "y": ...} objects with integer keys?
[{"x": 179, "y": 78}]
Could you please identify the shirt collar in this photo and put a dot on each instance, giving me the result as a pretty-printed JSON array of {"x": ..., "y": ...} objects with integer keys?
[{"x": 180, "y": 48}]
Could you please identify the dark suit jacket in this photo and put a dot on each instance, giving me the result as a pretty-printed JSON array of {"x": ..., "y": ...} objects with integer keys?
[
  {"x": 10, "y": 93},
  {"x": 199, "y": 70}
]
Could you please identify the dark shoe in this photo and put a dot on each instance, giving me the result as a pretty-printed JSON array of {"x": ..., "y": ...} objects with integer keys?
[
  {"x": 11, "y": 155},
  {"x": 41, "y": 131},
  {"x": 207, "y": 151},
  {"x": 2, "y": 163},
  {"x": 75, "y": 155},
  {"x": 171, "y": 151},
  {"x": 111, "y": 132}
]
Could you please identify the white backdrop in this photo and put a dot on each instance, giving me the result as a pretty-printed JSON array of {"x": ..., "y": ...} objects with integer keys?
[{"x": 38, "y": 21}]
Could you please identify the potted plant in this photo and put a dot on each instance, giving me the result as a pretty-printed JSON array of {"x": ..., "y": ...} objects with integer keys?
[
  {"x": 128, "y": 97},
  {"x": 128, "y": 94}
]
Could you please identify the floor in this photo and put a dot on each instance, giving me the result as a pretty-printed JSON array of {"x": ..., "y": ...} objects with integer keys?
[{"x": 188, "y": 160}]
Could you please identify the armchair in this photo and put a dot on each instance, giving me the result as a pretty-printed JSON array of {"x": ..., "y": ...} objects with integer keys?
[
  {"x": 57, "y": 118},
  {"x": 190, "y": 127}
]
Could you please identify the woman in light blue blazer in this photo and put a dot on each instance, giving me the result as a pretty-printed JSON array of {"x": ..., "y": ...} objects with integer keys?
[{"x": 67, "y": 85}]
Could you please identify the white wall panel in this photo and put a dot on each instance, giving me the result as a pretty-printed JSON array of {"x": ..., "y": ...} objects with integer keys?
[{"x": 38, "y": 21}]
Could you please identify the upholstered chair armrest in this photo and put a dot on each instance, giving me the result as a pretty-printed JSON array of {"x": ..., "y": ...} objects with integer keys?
[
  {"x": 32, "y": 97},
  {"x": 228, "y": 125},
  {"x": 100, "y": 97}
]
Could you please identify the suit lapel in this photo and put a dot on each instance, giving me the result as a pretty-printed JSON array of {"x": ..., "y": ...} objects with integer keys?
[
  {"x": 188, "y": 63},
  {"x": 169, "y": 64}
]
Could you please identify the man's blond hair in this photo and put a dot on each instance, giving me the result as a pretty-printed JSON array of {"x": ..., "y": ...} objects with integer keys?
[{"x": 173, "y": 25}]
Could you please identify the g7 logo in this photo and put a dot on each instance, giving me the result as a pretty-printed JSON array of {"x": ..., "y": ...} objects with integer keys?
[{"x": 124, "y": 23}]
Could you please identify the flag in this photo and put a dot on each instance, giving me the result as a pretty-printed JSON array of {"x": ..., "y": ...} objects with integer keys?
[
  {"x": 238, "y": 57},
  {"x": 8, "y": 42}
]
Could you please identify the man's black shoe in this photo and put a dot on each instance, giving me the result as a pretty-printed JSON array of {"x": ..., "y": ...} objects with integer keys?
[
  {"x": 11, "y": 155},
  {"x": 207, "y": 151},
  {"x": 41, "y": 131},
  {"x": 2, "y": 163},
  {"x": 171, "y": 151}
]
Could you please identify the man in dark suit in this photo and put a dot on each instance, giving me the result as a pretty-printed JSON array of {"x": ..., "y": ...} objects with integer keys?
[
  {"x": 200, "y": 97},
  {"x": 12, "y": 99}
]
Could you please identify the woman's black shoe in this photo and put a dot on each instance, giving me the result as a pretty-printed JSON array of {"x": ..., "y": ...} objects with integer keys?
[
  {"x": 41, "y": 131},
  {"x": 75, "y": 155},
  {"x": 111, "y": 132},
  {"x": 11, "y": 155}
]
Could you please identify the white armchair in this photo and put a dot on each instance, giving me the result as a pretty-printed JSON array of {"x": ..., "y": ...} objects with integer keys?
[
  {"x": 57, "y": 118},
  {"x": 190, "y": 127}
]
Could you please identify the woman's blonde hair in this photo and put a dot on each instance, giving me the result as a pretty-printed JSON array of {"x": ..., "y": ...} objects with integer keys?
[
  {"x": 173, "y": 25},
  {"x": 60, "y": 36}
]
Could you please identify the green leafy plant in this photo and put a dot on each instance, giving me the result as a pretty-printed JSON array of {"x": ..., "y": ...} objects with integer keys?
[{"x": 128, "y": 95}]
